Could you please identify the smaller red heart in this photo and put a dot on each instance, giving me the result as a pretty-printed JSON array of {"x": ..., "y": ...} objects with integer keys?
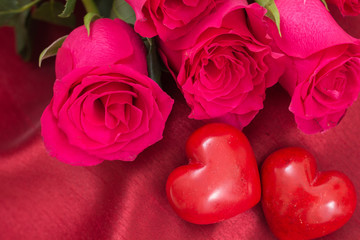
[
  {"x": 301, "y": 203},
  {"x": 221, "y": 179}
]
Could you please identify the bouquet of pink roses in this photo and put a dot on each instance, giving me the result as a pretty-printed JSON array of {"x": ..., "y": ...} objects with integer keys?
[
  {"x": 233, "y": 53},
  {"x": 223, "y": 55}
]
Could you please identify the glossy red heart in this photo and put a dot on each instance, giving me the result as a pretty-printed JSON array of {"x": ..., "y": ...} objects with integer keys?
[
  {"x": 301, "y": 203},
  {"x": 221, "y": 179}
]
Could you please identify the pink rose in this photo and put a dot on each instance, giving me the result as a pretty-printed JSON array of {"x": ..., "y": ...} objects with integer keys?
[
  {"x": 323, "y": 64},
  {"x": 347, "y": 7},
  {"x": 225, "y": 73},
  {"x": 104, "y": 113},
  {"x": 110, "y": 42},
  {"x": 103, "y": 108},
  {"x": 172, "y": 20}
]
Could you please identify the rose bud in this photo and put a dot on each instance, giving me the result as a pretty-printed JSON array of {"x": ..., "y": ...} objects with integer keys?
[{"x": 110, "y": 42}]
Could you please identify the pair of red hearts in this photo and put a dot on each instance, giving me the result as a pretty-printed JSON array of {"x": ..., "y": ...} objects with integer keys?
[{"x": 222, "y": 180}]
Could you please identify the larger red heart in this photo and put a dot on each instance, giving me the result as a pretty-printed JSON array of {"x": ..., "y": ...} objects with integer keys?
[
  {"x": 301, "y": 203},
  {"x": 221, "y": 179}
]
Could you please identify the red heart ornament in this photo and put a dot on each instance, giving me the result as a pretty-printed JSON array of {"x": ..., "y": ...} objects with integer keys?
[
  {"x": 301, "y": 203},
  {"x": 221, "y": 179}
]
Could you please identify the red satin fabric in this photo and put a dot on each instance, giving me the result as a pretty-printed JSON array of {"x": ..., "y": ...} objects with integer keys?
[{"x": 42, "y": 198}]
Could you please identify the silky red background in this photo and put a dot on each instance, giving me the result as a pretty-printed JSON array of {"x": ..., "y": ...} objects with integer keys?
[{"x": 42, "y": 198}]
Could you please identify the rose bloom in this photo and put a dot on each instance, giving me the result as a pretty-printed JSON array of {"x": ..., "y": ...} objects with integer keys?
[
  {"x": 104, "y": 113},
  {"x": 347, "y": 7},
  {"x": 225, "y": 73},
  {"x": 173, "y": 19},
  {"x": 103, "y": 109},
  {"x": 322, "y": 64}
]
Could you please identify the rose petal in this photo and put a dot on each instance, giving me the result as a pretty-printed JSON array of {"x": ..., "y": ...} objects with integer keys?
[
  {"x": 311, "y": 126},
  {"x": 58, "y": 146},
  {"x": 306, "y": 40},
  {"x": 111, "y": 41}
]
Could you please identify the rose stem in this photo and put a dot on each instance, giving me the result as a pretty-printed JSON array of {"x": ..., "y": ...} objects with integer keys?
[{"x": 90, "y": 6}]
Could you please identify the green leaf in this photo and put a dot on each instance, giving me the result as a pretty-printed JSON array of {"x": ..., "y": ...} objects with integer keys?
[
  {"x": 69, "y": 9},
  {"x": 22, "y": 36},
  {"x": 52, "y": 49},
  {"x": 89, "y": 17},
  {"x": 12, "y": 7},
  {"x": 50, "y": 11},
  {"x": 153, "y": 63},
  {"x": 10, "y": 10},
  {"x": 324, "y": 2},
  {"x": 272, "y": 11},
  {"x": 15, "y": 14},
  {"x": 124, "y": 11}
]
